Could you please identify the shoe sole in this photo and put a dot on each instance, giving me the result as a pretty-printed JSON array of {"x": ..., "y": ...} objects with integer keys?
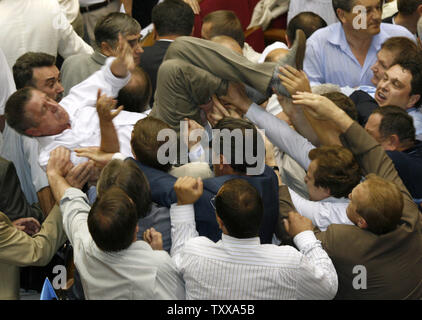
[{"x": 301, "y": 48}]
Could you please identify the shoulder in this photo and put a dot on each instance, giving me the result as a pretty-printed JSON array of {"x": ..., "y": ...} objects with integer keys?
[{"x": 389, "y": 30}]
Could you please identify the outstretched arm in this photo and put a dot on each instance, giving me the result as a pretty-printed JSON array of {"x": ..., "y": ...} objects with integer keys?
[{"x": 183, "y": 227}]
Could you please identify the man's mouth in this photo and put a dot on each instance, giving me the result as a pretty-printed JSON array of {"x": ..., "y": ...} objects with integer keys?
[{"x": 381, "y": 97}]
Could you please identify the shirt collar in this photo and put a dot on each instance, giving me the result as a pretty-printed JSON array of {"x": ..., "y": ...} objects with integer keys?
[
  {"x": 337, "y": 200},
  {"x": 236, "y": 242},
  {"x": 98, "y": 57},
  {"x": 338, "y": 37}
]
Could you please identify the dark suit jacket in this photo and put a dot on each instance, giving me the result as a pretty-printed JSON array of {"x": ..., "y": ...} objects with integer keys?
[
  {"x": 393, "y": 261},
  {"x": 163, "y": 193},
  {"x": 12, "y": 200},
  {"x": 365, "y": 104},
  {"x": 151, "y": 59}
]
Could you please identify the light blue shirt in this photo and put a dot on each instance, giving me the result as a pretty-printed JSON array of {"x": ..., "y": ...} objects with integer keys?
[
  {"x": 329, "y": 58},
  {"x": 416, "y": 114}
]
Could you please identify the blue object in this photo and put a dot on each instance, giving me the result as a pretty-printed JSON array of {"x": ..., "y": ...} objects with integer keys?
[{"x": 47, "y": 292}]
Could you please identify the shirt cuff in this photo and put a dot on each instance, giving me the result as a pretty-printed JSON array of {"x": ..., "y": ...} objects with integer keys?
[
  {"x": 197, "y": 154},
  {"x": 253, "y": 111},
  {"x": 118, "y": 156},
  {"x": 304, "y": 239},
  {"x": 182, "y": 214},
  {"x": 72, "y": 193}
]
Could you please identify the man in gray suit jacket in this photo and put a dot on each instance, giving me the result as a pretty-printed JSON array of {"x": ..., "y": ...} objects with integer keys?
[{"x": 380, "y": 257}]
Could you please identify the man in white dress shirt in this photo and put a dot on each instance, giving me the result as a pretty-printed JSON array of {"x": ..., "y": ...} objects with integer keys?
[
  {"x": 37, "y": 25},
  {"x": 238, "y": 266},
  {"x": 74, "y": 122},
  {"x": 112, "y": 263}
]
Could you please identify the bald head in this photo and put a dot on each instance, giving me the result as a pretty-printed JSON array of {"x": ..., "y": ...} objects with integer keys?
[
  {"x": 276, "y": 54},
  {"x": 228, "y": 42}
]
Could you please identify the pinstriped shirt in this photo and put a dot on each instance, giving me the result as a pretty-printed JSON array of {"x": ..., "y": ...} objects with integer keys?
[{"x": 244, "y": 269}]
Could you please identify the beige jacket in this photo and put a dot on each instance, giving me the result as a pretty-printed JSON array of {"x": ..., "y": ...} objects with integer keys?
[{"x": 17, "y": 249}]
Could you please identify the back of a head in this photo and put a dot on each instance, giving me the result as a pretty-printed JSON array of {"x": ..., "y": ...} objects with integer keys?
[
  {"x": 344, "y": 103},
  {"x": 408, "y": 7},
  {"x": 382, "y": 205},
  {"x": 173, "y": 17},
  {"x": 225, "y": 23},
  {"x": 235, "y": 135},
  {"x": 127, "y": 176},
  {"x": 337, "y": 170},
  {"x": 239, "y": 206},
  {"x": 108, "y": 28},
  {"x": 397, "y": 121},
  {"x": 112, "y": 220},
  {"x": 14, "y": 110},
  {"x": 135, "y": 96},
  {"x": 308, "y": 22},
  {"x": 24, "y": 65},
  {"x": 399, "y": 46},
  {"x": 145, "y": 143}
]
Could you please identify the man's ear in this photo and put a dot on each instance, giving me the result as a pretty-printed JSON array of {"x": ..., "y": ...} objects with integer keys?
[
  {"x": 340, "y": 15},
  {"x": 106, "y": 49},
  {"x": 33, "y": 132},
  {"x": 362, "y": 223},
  {"x": 414, "y": 98},
  {"x": 394, "y": 141}
]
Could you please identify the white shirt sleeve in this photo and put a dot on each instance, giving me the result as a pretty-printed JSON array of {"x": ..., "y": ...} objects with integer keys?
[
  {"x": 69, "y": 41},
  {"x": 318, "y": 277},
  {"x": 7, "y": 84},
  {"x": 321, "y": 213},
  {"x": 84, "y": 94},
  {"x": 75, "y": 207},
  {"x": 183, "y": 228},
  {"x": 281, "y": 135}
]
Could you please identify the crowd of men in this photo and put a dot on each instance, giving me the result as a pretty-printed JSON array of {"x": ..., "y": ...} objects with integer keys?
[{"x": 198, "y": 168}]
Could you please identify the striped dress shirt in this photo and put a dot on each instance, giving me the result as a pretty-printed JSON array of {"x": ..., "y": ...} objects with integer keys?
[{"x": 244, "y": 269}]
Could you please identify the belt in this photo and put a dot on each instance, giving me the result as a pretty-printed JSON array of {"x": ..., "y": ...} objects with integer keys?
[{"x": 95, "y": 6}]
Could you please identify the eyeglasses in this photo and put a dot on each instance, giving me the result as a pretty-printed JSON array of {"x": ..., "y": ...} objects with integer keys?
[{"x": 212, "y": 201}]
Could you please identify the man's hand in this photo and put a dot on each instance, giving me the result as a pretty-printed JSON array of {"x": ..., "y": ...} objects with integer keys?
[
  {"x": 296, "y": 224},
  {"x": 29, "y": 225},
  {"x": 105, "y": 107},
  {"x": 294, "y": 80},
  {"x": 154, "y": 238},
  {"x": 188, "y": 190},
  {"x": 319, "y": 107},
  {"x": 322, "y": 108},
  {"x": 236, "y": 96},
  {"x": 220, "y": 111},
  {"x": 193, "y": 126},
  {"x": 59, "y": 163},
  {"x": 124, "y": 61},
  {"x": 100, "y": 158},
  {"x": 80, "y": 174}
]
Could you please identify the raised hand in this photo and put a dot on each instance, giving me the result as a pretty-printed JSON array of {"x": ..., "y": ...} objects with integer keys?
[
  {"x": 294, "y": 80},
  {"x": 188, "y": 190},
  {"x": 106, "y": 107},
  {"x": 154, "y": 238},
  {"x": 318, "y": 106}
]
